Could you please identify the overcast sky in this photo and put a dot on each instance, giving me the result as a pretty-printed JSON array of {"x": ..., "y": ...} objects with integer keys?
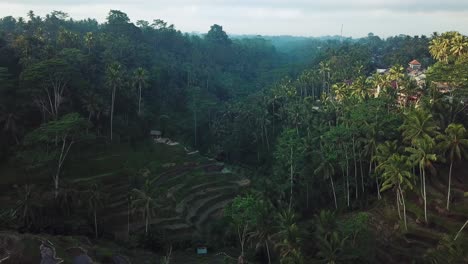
[{"x": 271, "y": 17}]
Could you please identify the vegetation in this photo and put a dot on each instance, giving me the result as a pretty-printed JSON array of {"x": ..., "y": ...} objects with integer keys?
[{"x": 271, "y": 150}]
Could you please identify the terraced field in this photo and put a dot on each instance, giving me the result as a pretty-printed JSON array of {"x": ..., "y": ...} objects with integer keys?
[{"x": 197, "y": 190}]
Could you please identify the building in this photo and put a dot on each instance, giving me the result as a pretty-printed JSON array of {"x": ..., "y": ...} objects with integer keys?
[
  {"x": 414, "y": 65},
  {"x": 155, "y": 134}
]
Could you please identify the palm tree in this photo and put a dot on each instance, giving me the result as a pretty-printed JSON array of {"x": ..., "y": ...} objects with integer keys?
[
  {"x": 396, "y": 174},
  {"x": 383, "y": 152},
  {"x": 288, "y": 238},
  {"x": 144, "y": 201},
  {"x": 454, "y": 143},
  {"x": 114, "y": 81},
  {"x": 324, "y": 70},
  {"x": 418, "y": 124},
  {"x": 95, "y": 201},
  {"x": 360, "y": 89},
  {"x": 439, "y": 48},
  {"x": 459, "y": 45},
  {"x": 422, "y": 155},
  {"x": 327, "y": 169},
  {"x": 89, "y": 41},
  {"x": 140, "y": 79},
  {"x": 263, "y": 226},
  {"x": 396, "y": 74},
  {"x": 26, "y": 205},
  {"x": 9, "y": 122}
]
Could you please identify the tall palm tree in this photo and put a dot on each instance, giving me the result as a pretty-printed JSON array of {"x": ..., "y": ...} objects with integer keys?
[
  {"x": 288, "y": 238},
  {"x": 383, "y": 152},
  {"x": 324, "y": 70},
  {"x": 27, "y": 205},
  {"x": 9, "y": 121},
  {"x": 459, "y": 45},
  {"x": 396, "y": 74},
  {"x": 360, "y": 89},
  {"x": 327, "y": 170},
  {"x": 454, "y": 144},
  {"x": 439, "y": 48},
  {"x": 140, "y": 78},
  {"x": 396, "y": 174},
  {"x": 422, "y": 155},
  {"x": 144, "y": 201},
  {"x": 114, "y": 81},
  {"x": 418, "y": 124},
  {"x": 95, "y": 201}
]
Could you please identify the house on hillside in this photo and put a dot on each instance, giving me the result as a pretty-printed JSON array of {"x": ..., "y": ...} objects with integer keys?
[
  {"x": 414, "y": 65},
  {"x": 155, "y": 134}
]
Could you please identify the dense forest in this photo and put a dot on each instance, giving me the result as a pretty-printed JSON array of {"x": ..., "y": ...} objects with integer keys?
[{"x": 261, "y": 149}]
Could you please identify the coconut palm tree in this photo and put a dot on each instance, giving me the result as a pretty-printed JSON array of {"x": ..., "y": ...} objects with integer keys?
[
  {"x": 288, "y": 238},
  {"x": 327, "y": 170},
  {"x": 454, "y": 144},
  {"x": 418, "y": 124},
  {"x": 422, "y": 155},
  {"x": 382, "y": 154},
  {"x": 439, "y": 48},
  {"x": 114, "y": 81},
  {"x": 26, "y": 206},
  {"x": 140, "y": 78},
  {"x": 144, "y": 200},
  {"x": 396, "y": 174},
  {"x": 95, "y": 202},
  {"x": 459, "y": 45}
]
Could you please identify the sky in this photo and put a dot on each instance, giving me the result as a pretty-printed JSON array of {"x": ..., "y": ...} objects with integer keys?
[{"x": 271, "y": 17}]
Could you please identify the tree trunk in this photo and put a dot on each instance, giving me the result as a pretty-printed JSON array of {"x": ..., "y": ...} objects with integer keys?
[
  {"x": 95, "y": 224},
  {"x": 355, "y": 169},
  {"x": 449, "y": 183},
  {"x": 461, "y": 229},
  {"x": 128, "y": 219},
  {"x": 347, "y": 175},
  {"x": 291, "y": 179},
  {"x": 362, "y": 174},
  {"x": 139, "y": 99},
  {"x": 333, "y": 190},
  {"x": 398, "y": 203},
  {"x": 424, "y": 194},
  {"x": 404, "y": 208},
  {"x": 146, "y": 224},
  {"x": 268, "y": 251},
  {"x": 112, "y": 113}
]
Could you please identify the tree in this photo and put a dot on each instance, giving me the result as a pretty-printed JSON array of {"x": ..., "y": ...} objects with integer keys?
[
  {"x": 289, "y": 238},
  {"x": 95, "y": 202},
  {"x": 27, "y": 205},
  {"x": 454, "y": 144},
  {"x": 327, "y": 169},
  {"x": 47, "y": 82},
  {"x": 114, "y": 81},
  {"x": 289, "y": 155},
  {"x": 145, "y": 201},
  {"x": 423, "y": 156},
  {"x": 140, "y": 78},
  {"x": 242, "y": 213},
  {"x": 52, "y": 141},
  {"x": 396, "y": 174}
]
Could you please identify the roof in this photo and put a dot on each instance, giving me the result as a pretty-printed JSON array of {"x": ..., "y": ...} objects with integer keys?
[
  {"x": 155, "y": 133},
  {"x": 415, "y": 62}
]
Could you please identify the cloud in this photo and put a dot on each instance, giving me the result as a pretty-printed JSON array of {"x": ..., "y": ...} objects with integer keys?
[{"x": 273, "y": 17}]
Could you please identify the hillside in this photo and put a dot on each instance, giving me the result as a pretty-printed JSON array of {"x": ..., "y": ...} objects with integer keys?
[{"x": 193, "y": 191}]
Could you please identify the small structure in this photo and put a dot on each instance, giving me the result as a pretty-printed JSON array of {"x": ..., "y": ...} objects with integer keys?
[
  {"x": 382, "y": 71},
  {"x": 155, "y": 134},
  {"x": 202, "y": 250},
  {"x": 414, "y": 65}
]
